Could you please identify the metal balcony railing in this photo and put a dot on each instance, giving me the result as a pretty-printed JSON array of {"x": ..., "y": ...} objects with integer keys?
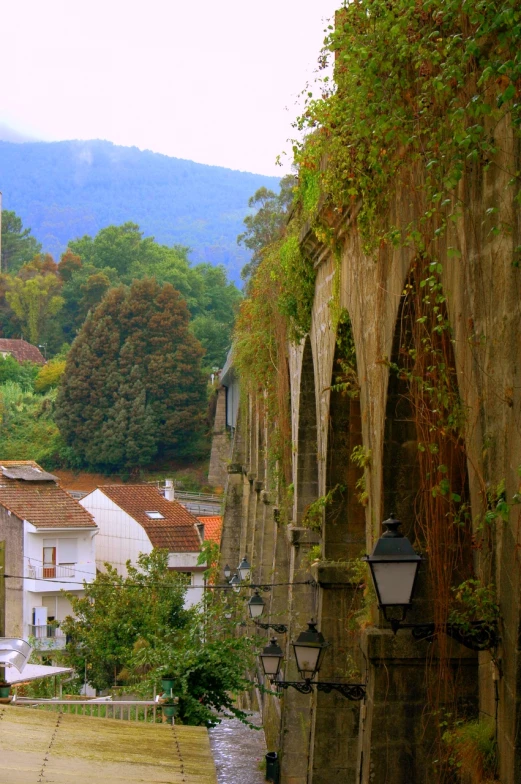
[
  {"x": 45, "y": 631},
  {"x": 51, "y": 572},
  {"x": 125, "y": 710}
]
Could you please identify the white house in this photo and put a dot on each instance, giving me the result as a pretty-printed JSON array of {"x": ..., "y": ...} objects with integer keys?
[
  {"x": 135, "y": 519},
  {"x": 49, "y": 546}
]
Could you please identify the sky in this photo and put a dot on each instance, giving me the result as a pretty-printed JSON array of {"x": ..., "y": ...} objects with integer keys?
[{"x": 213, "y": 82}]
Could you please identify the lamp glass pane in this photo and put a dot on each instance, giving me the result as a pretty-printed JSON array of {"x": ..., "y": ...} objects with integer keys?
[
  {"x": 271, "y": 665},
  {"x": 394, "y": 581},
  {"x": 256, "y": 609},
  {"x": 307, "y": 659}
]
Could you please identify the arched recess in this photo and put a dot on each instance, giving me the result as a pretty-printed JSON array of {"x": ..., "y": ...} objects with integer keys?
[
  {"x": 425, "y": 485},
  {"x": 306, "y": 487},
  {"x": 344, "y": 529}
]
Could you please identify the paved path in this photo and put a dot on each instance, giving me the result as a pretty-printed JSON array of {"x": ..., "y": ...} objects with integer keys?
[
  {"x": 237, "y": 751},
  {"x": 40, "y": 747}
]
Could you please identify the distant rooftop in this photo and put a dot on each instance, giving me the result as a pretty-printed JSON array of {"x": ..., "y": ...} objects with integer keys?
[
  {"x": 21, "y": 350},
  {"x": 167, "y": 524},
  {"x": 212, "y": 527},
  {"x": 30, "y": 493}
]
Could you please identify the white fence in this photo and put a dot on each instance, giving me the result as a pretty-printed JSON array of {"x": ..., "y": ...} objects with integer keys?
[{"x": 125, "y": 710}]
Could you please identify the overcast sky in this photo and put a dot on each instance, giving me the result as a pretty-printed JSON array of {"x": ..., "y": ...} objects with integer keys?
[{"x": 214, "y": 82}]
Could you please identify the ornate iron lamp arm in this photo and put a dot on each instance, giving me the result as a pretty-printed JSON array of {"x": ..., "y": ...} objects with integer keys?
[
  {"x": 280, "y": 628},
  {"x": 351, "y": 691}
]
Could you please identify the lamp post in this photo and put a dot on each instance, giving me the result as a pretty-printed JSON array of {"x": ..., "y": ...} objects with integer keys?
[
  {"x": 394, "y": 567},
  {"x": 235, "y": 582},
  {"x": 309, "y": 648},
  {"x": 227, "y": 572},
  {"x": 256, "y": 607},
  {"x": 244, "y": 569}
]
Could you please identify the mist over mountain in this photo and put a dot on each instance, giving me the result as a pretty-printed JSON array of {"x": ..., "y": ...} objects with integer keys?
[{"x": 64, "y": 190}]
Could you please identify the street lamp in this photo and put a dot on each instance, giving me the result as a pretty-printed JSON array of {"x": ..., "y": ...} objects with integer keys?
[
  {"x": 244, "y": 569},
  {"x": 256, "y": 607},
  {"x": 309, "y": 648},
  {"x": 235, "y": 582},
  {"x": 227, "y": 572},
  {"x": 271, "y": 659},
  {"x": 394, "y": 566}
]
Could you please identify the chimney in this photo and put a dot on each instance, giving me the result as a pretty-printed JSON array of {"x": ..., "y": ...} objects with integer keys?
[{"x": 169, "y": 490}]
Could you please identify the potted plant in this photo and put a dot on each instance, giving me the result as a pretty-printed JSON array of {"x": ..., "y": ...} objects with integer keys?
[{"x": 5, "y": 690}]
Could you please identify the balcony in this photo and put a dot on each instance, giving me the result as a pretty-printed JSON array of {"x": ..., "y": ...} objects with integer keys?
[
  {"x": 47, "y": 636},
  {"x": 51, "y": 572}
]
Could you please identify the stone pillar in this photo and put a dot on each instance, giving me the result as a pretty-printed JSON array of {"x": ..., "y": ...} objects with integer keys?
[
  {"x": 336, "y": 720},
  {"x": 233, "y": 516},
  {"x": 297, "y": 709},
  {"x": 399, "y": 732},
  {"x": 220, "y": 443}
]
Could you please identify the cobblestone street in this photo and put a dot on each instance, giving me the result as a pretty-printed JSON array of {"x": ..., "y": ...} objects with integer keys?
[{"x": 237, "y": 751}]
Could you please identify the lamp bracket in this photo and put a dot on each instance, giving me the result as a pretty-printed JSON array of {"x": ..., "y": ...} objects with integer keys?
[
  {"x": 477, "y": 635},
  {"x": 280, "y": 628},
  {"x": 351, "y": 691}
]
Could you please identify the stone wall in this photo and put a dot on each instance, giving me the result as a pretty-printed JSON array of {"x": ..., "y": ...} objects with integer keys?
[{"x": 389, "y": 737}]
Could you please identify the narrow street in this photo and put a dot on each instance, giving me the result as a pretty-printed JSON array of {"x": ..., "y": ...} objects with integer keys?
[{"x": 238, "y": 751}]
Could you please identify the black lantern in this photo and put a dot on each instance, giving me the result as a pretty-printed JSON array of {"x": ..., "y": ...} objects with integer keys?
[
  {"x": 227, "y": 572},
  {"x": 244, "y": 569},
  {"x": 256, "y": 605},
  {"x": 394, "y": 565},
  {"x": 309, "y": 648},
  {"x": 235, "y": 582},
  {"x": 271, "y": 659}
]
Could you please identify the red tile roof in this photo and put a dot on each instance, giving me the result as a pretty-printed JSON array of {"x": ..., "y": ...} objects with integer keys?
[
  {"x": 44, "y": 504},
  {"x": 176, "y": 532},
  {"x": 21, "y": 350},
  {"x": 212, "y": 528}
]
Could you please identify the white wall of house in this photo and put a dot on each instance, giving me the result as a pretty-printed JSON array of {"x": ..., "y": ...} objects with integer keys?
[
  {"x": 120, "y": 537},
  {"x": 75, "y": 562},
  {"x": 187, "y": 562}
]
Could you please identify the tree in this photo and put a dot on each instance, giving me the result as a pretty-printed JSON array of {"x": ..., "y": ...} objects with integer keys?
[
  {"x": 34, "y": 301},
  {"x": 18, "y": 244},
  {"x": 266, "y": 225},
  {"x": 133, "y": 388},
  {"x": 134, "y": 630},
  {"x": 115, "y": 612}
]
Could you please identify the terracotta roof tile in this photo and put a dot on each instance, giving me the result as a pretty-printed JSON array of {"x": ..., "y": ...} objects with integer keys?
[
  {"x": 212, "y": 527},
  {"x": 176, "y": 532},
  {"x": 21, "y": 350},
  {"x": 44, "y": 504}
]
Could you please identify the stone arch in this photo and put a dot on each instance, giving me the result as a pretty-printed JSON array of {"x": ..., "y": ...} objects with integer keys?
[
  {"x": 344, "y": 525},
  {"x": 306, "y": 485}
]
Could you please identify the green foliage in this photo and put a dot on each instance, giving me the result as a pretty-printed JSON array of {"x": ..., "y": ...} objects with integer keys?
[
  {"x": 115, "y": 612},
  {"x": 22, "y": 373},
  {"x": 266, "y": 225},
  {"x": 35, "y": 301},
  {"x": 134, "y": 630},
  {"x": 474, "y": 602},
  {"x": 414, "y": 84},
  {"x": 313, "y": 517},
  {"x": 133, "y": 388},
  {"x": 472, "y": 748},
  {"x": 27, "y": 429},
  {"x": 49, "y": 375},
  {"x": 18, "y": 244}
]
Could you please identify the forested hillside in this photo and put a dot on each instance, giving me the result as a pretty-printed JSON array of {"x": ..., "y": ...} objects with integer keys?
[{"x": 64, "y": 190}]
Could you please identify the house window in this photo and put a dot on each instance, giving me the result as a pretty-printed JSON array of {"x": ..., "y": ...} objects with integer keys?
[
  {"x": 49, "y": 562},
  {"x": 155, "y": 515},
  {"x": 67, "y": 551}
]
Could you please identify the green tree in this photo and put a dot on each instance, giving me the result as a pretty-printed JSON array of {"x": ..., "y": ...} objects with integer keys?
[
  {"x": 18, "y": 244},
  {"x": 266, "y": 225},
  {"x": 133, "y": 388},
  {"x": 134, "y": 630},
  {"x": 115, "y": 612},
  {"x": 35, "y": 301}
]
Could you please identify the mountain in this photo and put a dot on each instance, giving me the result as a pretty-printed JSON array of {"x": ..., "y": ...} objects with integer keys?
[{"x": 63, "y": 190}]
